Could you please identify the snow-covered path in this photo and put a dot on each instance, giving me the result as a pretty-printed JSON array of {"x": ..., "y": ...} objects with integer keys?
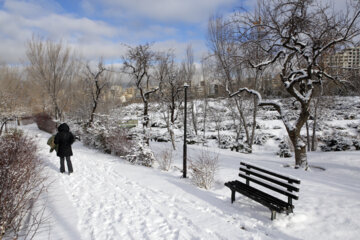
[
  {"x": 112, "y": 205},
  {"x": 106, "y": 198}
]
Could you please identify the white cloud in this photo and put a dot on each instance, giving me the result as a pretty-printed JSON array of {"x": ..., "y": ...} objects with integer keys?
[
  {"x": 16, "y": 30},
  {"x": 179, "y": 48},
  {"x": 65, "y": 26},
  {"x": 31, "y": 8},
  {"x": 169, "y": 10},
  {"x": 19, "y": 20}
]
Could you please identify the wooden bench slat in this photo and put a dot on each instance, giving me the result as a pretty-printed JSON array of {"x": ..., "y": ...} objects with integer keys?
[
  {"x": 287, "y": 178},
  {"x": 257, "y": 195},
  {"x": 237, "y": 185},
  {"x": 289, "y": 194},
  {"x": 270, "y": 179}
]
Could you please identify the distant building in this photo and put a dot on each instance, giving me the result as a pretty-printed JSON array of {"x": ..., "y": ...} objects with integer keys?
[{"x": 347, "y": 59}]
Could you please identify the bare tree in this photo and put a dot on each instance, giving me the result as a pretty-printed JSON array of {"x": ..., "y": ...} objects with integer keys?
[
  {"x": 13, "y": 96},
  {"x": 51, "y": 65},
  {"x": 205, "y": 71},
  {"x": 296, "y": 35},
  {"x": 138, "y": 62},
  {"x": 224, "y": 47},
  {"x": 234, "y": 114},
  {"x": 95, "y": 82},
  {"x": 217, "y": 117},
  {"x": 171, "y": 85},
  {"x": 188, "y": 68}
]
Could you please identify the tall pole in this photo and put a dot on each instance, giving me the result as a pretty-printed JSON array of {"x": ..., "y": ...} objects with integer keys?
[{"x": 185, "y": 145}]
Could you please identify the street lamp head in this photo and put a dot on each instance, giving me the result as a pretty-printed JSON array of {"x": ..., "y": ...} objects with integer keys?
[{"x": 186, "y": 85}]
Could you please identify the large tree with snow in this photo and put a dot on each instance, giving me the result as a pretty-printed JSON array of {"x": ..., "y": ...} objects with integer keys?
[{"x": 296, "y": 36}]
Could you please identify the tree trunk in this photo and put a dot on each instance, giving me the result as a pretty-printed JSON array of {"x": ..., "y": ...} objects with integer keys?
[
  {"x": 219, "y": 139},
  {"x": 172, "y": 110},
  {"x": 313, "y": 148},
  {"x": 308, "y": 136},
  {"x": 205, "y": 113},
  {"x": 146, "y": 116},
  {"x": 243, "y": 120},
  {"x": 300, "y": 156},
  {"x": 172, "y": 136},
  {"x": 252, "y": 136},
  {"x": 146, "y": 123},
  {"x": 299, "y": 149},
  {"x": 2, "y": 126},
  {"x": 92, "y": 113},
  {"x": 193, "y": 117}
]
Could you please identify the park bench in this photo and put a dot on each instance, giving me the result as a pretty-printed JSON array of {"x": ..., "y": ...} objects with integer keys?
[{"x": 276, "y": 186}]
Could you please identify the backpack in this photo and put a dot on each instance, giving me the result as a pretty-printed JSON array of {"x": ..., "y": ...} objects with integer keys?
[{"x": 51, "y": 143}]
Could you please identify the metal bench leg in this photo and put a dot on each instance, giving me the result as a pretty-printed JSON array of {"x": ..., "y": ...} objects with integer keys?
[
  {"x": 273, "y": 214},
  {"x": 232, "y": 196}
]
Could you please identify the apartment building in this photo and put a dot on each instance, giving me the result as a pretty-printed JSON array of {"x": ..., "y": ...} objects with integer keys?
[{"x": 347, "y": 59}]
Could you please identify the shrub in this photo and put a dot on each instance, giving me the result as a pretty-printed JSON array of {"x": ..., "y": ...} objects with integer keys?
[
  {"x": 141, "y": 154},
  {"x": 45, "y": 122},
  {"x": 356, "y": 144},
  {"x": 27, "y": 120},
  {"x": 285, "y": 149},
  {"x": 240, "y": 147},
  {"x": 118, "y": 142},
  {"x": 165, "y": 159},
  {"x": 21, "y": 184},
  {"x": 94, "y": 136},
  {"x": 336, "y": 144},
  {"x": 204, "y": 168}
]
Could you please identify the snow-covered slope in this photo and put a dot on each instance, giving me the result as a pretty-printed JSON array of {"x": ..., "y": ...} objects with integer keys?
[{"x": 108, "y": 198}]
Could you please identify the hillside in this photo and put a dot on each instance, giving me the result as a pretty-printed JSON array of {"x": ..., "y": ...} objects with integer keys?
[{"x": 108, "y": 198}]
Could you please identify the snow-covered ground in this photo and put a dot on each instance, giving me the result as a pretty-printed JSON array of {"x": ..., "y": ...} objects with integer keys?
[{"x": 108, "y": 198}]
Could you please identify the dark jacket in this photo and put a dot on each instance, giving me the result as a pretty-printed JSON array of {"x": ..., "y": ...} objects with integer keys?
[{"x": 64, "y": 138}]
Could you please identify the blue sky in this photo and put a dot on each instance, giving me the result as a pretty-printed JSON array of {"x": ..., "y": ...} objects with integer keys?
[{"x": 100, "y": 28}]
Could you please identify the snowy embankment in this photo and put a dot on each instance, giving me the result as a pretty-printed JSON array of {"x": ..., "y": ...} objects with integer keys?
[{"x": 108, "y": 198}]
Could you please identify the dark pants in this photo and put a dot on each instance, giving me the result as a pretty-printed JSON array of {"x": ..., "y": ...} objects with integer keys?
[{"x": 68, "y": 162}]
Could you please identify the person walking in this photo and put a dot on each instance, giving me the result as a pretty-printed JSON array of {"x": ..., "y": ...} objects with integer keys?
[{"x": 64, "y": 139}]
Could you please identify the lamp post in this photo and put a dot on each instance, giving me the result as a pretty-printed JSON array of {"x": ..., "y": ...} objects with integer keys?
[{"x": 185, "y": 146}]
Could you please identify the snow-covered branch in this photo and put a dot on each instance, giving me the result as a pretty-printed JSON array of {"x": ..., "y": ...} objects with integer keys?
[
  {"x": 268, "y": 62},
  {"x": 251, "y": 91}
]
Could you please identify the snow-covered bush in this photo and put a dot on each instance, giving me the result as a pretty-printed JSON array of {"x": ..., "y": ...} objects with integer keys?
[
  {"x": 336, "y": 144},
  {"x": 95, "y": 136},
  {"x": 240, "y": 147},
  {"x": 284, "y": 150},
  {"x": 164, "y": 158},
  {"x": 45, "y": 122},
  {"x": 141, "y": 154},
  {"x": 195, "y": 139},
  {"x": 226, "y": 141},
  {"x": 204, "y": 168},
  {"x": 261, "y": 139},
  {"x": 21, "y": 184},
  {"x": 356, "y": 144},
  {"x": 107, "y": 135},
  {"x": 160, "y": 138},
  {"x": 118, "y": 142}
]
